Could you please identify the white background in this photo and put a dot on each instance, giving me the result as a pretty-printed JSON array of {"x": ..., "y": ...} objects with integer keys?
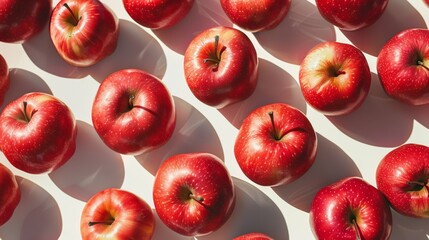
[{"x": 350, "y": 145}]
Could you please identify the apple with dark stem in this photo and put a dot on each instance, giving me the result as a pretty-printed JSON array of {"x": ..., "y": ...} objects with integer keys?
[
  {"x": 20, "y": 20},
  {"x": 10, "y": 194},
  {"x": 158, "y": 14},
  {"x": 221, "y": 66},
  {"x": 403, "y": 177},
  {"x": 37, "y": 133},
  {"x": 350, "y": 209},
  {"x": 193, "y": 193},
  {"x": 256, "y": 16},
  {"x": 276, "y": 144},
  {"x": 403, "y": 66},
  {"x": 253, "y": 236},
  {"x": 4, "y": 78},
  {"x": 133, "y": 112},
  {"x": 117, "y": 214},
  {"x": 84, "y": 31},
  {"x": 335, "y": 78},
  {"x": 351, "y": 15}
]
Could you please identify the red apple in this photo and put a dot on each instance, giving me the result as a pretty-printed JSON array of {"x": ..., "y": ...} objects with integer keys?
[
  {"x": 276, "y": 144},
  {"x": 221, "y": 66},
  {"x": 21, "y": 20},
  {"x": 351, "y": 15},
  {"x": 403, "y": 176},
  {"x": 37, "y": 133},
  {"x": 157, "y": 14},
  {"x": 350, "y": 209},
  {"x": 253, "y": 236},
  {"x": 335, "y": 78},
  {"x": 4, "y": 78},
  {"x": 255, "y": 16},
  {"x": 10, "y": 194},
  {"x": 133, "y": 112},
  {"x": 116, "y": 214},
  {"x": 403, "y": 66},
  {"x": 193, "y": 193},
  {"x": 84, "y": 31}
]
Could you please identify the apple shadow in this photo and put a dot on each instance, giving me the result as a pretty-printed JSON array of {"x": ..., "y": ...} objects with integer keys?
[
  {"x": 93, "y": 167},
  {"x": 380, "y": 120},
  {"x": 21, "y": 82},
  {"x": 420, "y": 114},
  {"x": 302, "y": 28},
  {"x": 372, "y": 38},
  {"x": 37, "y": 216},
  {"x": 275, "y": 85},
  {"x": 405, "y": 227},
  {"x": 331, "y": 165},
  {"x": 136, "y": 49},
  {"x": 254, "y": 212},
  {"x": 193, "y": 133},
  {"x": 203, "y": 15}
]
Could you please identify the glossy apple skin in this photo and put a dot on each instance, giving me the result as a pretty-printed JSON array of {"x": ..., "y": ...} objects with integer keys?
[
  {"x": 275, "y": 156},
  {"x": 4, "y": 78},
  {"x": 121, "y": 215},
  {"x": 403, "y": 66},
  {"x": 45, "y": 141},
  {"x": 256, "y": 16},
  {"x": 253, "y": 236},
  {"x": 335, "y": 78},
  {"x": 351, "y": 15},
  {"x": 205, "y": 176},
  {"x": 21, "y": 20},
  {"x": 92, "y": 39},
  {"x": 336, "y": 206},
  {"x": 231, "y": 80},
  {"x": 158, "y": 14},
  {"x": 10, "y": 194},
  {"x": 133, "y": 112},
  {"x": 397, "y": 176}
]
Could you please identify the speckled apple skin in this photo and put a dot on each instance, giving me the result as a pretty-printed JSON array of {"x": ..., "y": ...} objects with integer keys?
[
  {"x": 4, "y": 78},
  {"x": 334, "y": 204}
]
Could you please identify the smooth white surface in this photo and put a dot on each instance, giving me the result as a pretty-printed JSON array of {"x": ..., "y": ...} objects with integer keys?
[{"x": 348, "y": 146}]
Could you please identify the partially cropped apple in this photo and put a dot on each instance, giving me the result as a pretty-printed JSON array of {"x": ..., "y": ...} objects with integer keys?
[
  {"x": 10, "y": 194},
  {"x": 133, "y": 112},
  {"x": 117, "y": 214},
  {"x": 158, "y": 14},
  {"x": 253, "y": 236},
  {"x": 4, "y": 78},
  {"x": 84, "y": 31},
  {"x": 193, "y": 193},
  {"x": 276, "y": 144},
  {"x": 221, "y": 66},
  {"x": 256, "y": 16},
  {"x": 403, "y": 176},
  {"x": 351, "y": 15},
  {"x": 21, "y": 20},
  {"x": 403, "y": 66},
  {"x": 335, "y": 78},
  {"x": 37, "y": 133},
  {"x": 350, "y": 209}
]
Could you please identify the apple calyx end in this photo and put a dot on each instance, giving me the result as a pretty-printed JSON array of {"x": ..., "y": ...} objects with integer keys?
[
  {"x": 107, "y": 222},
  {"x": 75, "y": 19}
]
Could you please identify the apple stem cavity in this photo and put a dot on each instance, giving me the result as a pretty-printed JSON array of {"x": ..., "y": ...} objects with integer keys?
[
  {"x": 216, "y": 57},
  {"x": 107, "y": 222},
  {"x": 76, "y": 20},
  {"x": 196, "y": 198}
]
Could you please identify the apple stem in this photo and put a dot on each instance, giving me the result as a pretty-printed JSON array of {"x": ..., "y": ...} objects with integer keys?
[
  {"x": 416, "y": 183},
  {"x": 131, "y": 102},
  {"x": 356, "y": 227},
  {"x": 216, "y": 58},
  {"x": 274, "y": 126},
  {"x": 420, "y": 63},
  {"x": 107, "y": 222},
  {"x": 25, "y": 111},
  {"x": 196, "y": 198},
  {"x": 71, "y": 12},
  {"x": 339, "y": 72}
]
